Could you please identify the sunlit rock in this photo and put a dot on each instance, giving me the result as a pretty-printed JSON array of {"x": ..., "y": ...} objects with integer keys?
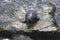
[
  {"x": 46, "y": 14},
  {"x": 12, "y": 12}
]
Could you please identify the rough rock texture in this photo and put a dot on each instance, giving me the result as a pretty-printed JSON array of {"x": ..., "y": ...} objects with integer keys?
[
  {"x": 12, "y": 12},
  {"x": 46, "y": 22}
]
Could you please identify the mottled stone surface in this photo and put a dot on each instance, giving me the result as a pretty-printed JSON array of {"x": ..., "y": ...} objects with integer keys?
[
  {"x": 12, "y": 12},
  {"x": 46, "y": 15}
]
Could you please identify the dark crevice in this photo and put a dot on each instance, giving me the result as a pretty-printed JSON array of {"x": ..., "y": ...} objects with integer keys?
[{"x": 35, "y": 35}]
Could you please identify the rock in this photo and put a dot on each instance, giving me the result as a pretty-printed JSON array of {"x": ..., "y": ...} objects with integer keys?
[
  {"x": 6, "y": 34},
  {"x": 21, "y": 37},
  {"x": 46, "y": 14},
  {"x": 13, "y": 12},
  {"x": 11, "y": 35}
]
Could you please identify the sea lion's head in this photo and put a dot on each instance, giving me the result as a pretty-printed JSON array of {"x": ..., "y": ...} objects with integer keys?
[{"x": 31, "y": 17}]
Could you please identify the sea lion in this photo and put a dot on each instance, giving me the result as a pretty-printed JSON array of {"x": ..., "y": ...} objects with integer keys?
[{"x": 31, "y": 17}]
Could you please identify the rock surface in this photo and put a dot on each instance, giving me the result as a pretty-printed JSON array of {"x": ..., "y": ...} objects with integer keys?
[
  {"x": 12, "y": 12},
  {"x": 21, "y": 37}
]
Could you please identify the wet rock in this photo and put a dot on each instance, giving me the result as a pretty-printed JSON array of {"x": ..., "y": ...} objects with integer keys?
[
  {"x": 14, "y": 12},
  {"x": 21, "y": 37},
  {"x": 6, "y": 34}
]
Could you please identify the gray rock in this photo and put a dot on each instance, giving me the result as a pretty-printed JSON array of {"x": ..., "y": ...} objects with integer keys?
[{"x": 12, "y": 12}]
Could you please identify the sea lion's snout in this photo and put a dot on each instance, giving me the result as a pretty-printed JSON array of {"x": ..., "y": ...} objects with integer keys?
[{"x": 31, "y": 17}]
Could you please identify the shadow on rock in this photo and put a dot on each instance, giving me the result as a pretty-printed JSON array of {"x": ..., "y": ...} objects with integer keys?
[{"x": 35, "y": 35}]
